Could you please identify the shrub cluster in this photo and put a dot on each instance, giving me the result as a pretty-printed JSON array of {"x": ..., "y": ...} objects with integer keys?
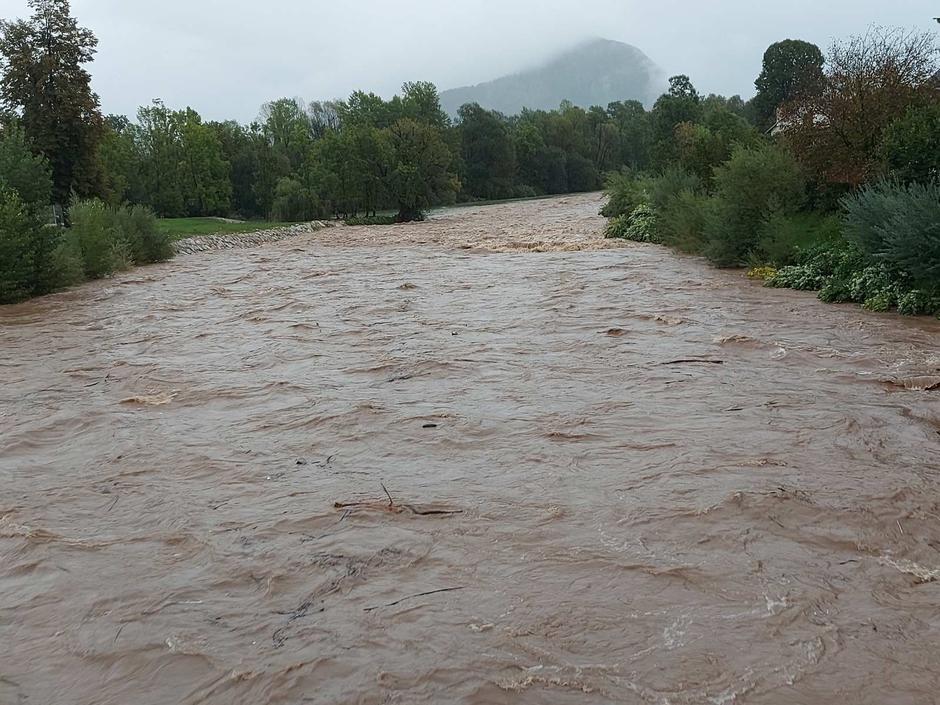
[
  {"x": 882, "y": 250},
  {"x": 111, "y": 239},
  {"x": 37, "y": 258},
  {"x": 639, "y": 226},
  {"x": 898, "y": 225},
  {"x": 888, "y": 258},
  {"x": 625, "y": 191},
  {"x": 744, "y": 216}
]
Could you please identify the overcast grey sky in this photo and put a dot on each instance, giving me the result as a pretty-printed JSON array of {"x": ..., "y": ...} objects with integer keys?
[{"x": 226, "y": 57}]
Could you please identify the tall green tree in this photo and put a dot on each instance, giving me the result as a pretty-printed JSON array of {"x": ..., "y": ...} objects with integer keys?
[
  {"x": 18, "y": 234},
  {"x": 159, "y": 147},
  {"x": 208, "y": 186},
  {"x": 120, "y": 162},
  {"x": 529, "y": 144},
  {"x": 488, "y": 156},
  {"x": 791, "y": 68},
  {"x": 334, "y": 174},
  {"x": 420, "y": 175},
  {"x": 910, "y": 148},
  {"x": 369, "y": 157},
  {"x": 634, "y": 133},
  {"x": 700, "y": 147},
  {"x": 604, "y": 140},
  {"x": 288, "y": 127},
  {"x": 239, "y": 149},
  {"x": 22, "y": 171},
  {"x": 366, "y": 109},
  {"x": 324, "y": 117},
  {"x": 43, "y": 80},
  {"x": 26, "y": 244},
  {"x": 421, "y": 102},
  {"x": 681, "y": 104},
  {"x": 183, "y": 163}
]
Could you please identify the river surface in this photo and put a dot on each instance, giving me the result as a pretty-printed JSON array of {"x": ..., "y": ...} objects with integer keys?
[{"x": 613, "y": 474}]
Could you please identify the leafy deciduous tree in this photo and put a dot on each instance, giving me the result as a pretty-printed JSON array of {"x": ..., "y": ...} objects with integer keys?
[
  {"x": 870, "y": 81},
  {"x": 791, "y": 68},
  {"x": 682, "y": 103},
  {"x": 43, "y": 80},
  {"x": 911, "y": 145},
  {"x": 488, "y": 156},
  {"x": 421, "y": 172},
  {"x": 22, "y": 171}
]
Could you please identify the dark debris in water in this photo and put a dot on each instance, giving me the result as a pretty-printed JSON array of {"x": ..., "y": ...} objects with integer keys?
[{"x": 392, "y": 507}]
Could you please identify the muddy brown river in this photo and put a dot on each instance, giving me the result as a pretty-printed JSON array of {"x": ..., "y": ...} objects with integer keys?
[{"x": 613, "y": 474}]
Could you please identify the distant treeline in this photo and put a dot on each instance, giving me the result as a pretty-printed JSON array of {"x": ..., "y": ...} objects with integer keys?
[
  {"x": 366, "y": 154},
  {"x": 301, "y": 161}
]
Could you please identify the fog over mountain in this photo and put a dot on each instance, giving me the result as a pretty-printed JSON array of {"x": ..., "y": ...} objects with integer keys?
[
  {"x": 597, "y": 72},
  {"x": 226, "y": 57}
]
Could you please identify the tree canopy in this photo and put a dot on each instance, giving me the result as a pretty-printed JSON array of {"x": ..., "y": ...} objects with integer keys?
[
  {"x": 43, "y": 81},
  {"x": 791, "y": 68},
  {"x": 869, "y": 82}
]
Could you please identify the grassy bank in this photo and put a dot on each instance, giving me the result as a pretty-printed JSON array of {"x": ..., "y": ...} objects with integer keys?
[{"x": 181, "y": 228}]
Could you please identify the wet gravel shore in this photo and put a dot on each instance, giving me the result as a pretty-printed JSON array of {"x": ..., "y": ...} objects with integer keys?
[{"x": 233, "y": 241}]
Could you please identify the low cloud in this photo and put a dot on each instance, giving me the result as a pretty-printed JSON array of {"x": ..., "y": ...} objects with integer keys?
[{"x": 226, "y": 57}]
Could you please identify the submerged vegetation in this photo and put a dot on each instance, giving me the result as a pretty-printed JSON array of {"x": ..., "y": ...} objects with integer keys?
[{"x": 841, "y": 194}]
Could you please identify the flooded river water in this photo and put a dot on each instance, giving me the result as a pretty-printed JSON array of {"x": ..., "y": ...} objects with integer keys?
[{"x": 616, "y": 476}]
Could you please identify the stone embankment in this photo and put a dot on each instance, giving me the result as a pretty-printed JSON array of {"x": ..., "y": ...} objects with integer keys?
[{"x": 232, "y": 241}]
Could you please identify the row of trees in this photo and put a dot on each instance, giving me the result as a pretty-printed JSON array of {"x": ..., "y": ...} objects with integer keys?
[
  {"x": 366, "y": 154},
  {"x": 362, "y": 155},
  {"x": 834, "y": 186},
  {"x": 339, "y": 158}
]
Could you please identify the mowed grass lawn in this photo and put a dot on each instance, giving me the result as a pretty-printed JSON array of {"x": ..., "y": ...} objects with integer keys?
[{"x": 181, "y": 228}]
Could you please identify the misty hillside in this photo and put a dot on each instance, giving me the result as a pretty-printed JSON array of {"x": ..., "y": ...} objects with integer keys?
[{"x": 595, "y": 73}]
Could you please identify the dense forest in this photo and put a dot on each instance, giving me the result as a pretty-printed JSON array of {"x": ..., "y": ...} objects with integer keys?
[{"x": 755, "y": 182}]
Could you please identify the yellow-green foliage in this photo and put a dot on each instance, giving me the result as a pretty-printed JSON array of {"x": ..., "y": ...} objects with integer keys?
[{"x": 762, "y": 273}]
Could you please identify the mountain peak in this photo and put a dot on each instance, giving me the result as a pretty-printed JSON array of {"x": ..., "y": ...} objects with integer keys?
[{"x": 595, "y": 72}]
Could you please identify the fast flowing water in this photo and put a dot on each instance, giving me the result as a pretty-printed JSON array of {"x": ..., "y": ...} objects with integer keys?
[{"x": 619, "y": 475}]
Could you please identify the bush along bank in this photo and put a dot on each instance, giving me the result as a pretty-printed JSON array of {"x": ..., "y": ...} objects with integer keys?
[
  {"x": 888, "y": 257},
  {"x": 36, "y": 258},
  {"x": 881, "y": 249},
  {"x": 833, "y": 199}
]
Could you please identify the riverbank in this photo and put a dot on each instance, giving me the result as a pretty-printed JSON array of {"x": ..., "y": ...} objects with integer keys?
[{"x": 229, "y": 241}]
